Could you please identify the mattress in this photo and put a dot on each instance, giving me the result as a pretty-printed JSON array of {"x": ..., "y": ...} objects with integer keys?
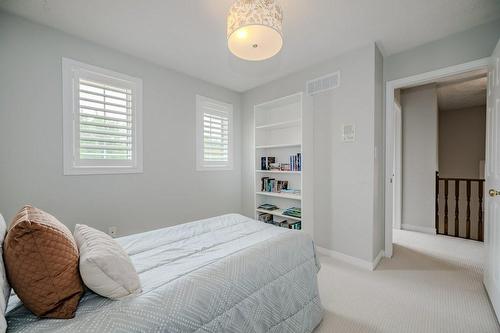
[{"x": 223, "y": 274}]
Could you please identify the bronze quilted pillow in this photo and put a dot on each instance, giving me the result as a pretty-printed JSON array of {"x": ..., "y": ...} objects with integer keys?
[{"x": 41, "y": 259}]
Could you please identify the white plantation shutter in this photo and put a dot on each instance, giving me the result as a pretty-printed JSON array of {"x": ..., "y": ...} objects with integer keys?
[
  {"x": 106, "y": 121},
  {"x": 215, "y": 138},
  {"x": 102, "y": 112},
  {"x": 214, "y": 134}
]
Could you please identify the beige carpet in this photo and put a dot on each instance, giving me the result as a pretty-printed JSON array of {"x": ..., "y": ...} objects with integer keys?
[{"x": 432, "y": 284}]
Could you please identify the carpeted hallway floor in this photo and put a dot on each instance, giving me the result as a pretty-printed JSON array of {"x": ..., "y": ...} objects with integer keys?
[{"x": 432, "y": 284}]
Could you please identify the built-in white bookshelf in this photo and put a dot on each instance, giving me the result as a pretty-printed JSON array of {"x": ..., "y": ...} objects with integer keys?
[{"x": 278, "y": 134}]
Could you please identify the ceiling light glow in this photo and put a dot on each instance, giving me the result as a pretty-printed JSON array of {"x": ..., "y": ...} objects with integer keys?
[{"x": 254, "y": 29}]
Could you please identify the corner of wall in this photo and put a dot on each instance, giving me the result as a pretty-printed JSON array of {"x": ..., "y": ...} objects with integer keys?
[{"x": 379, "y": 157}]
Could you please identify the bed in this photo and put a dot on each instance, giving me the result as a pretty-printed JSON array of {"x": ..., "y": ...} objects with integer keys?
[{"x": 223, "y": 274}]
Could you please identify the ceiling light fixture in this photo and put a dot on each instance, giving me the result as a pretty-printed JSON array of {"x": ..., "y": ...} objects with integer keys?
[{"x": 254, "y": 29}]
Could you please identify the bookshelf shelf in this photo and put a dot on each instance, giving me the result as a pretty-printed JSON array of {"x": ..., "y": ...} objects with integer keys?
[
  {"x": 278, "y": 212},
  {"x": 284, "y": 145},
  {"x": 277, "y": 171},
  {"x": 281, "y": 124},
  {"x": 280, "y": 195}
]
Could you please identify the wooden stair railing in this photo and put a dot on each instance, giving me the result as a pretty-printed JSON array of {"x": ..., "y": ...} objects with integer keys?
[{"x": 477, "y": 220}]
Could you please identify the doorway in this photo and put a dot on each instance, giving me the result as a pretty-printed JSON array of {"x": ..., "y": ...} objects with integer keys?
[
  {"x": 461, "y": 156},
  {"x": 394, "y": 136}
]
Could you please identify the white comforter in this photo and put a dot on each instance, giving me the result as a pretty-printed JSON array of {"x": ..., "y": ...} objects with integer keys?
[{"x": 224, "y": 274}]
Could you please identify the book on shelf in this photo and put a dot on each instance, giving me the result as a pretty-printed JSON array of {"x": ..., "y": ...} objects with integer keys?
[
  {"x": 285, "y": 167},
  {"x": 266, "y": 161},
  {"x": 290, "y": 191},
  {"x": 274, "y": 166},
  {"x": 268, "y": 207},
  {"x": 273, "y": 185},
  {"x": 296, "y": 162},
  {"x": 296, "y": 225},
  {"x": 293, "y": 212},
  {"x": 265, "y": 217},
  {"x": 268, "y": 218}
]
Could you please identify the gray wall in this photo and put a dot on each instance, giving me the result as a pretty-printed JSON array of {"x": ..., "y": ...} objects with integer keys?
[
  {"x": 169, "y": 191},
  {"x": 342, "y": 176},
  {"x": 420, "y": 161},
  {"x": 455, "y": 49},
  {"x": 462, "y": 140}
]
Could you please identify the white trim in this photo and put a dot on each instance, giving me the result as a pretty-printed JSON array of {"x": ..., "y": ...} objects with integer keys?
[
  {"x": 414, "y": 80},
  {"x": 72, "y": 69},
  {"x": 377, "y": 259},
  {"x": 429, "y": 77},
  {"x": 398, "y": 176},
  {"x": 426, "y": 230},
  {"x": 491, "y": 285},
  {"x": 226, "y": 110},
  {"x": 364, "y": 264}
]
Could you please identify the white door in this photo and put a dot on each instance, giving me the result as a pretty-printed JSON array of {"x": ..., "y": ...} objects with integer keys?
[{"x": 492, "y": 185}]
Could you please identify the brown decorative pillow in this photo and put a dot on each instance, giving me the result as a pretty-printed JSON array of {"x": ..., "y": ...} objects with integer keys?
[{"x": 41, "y": 259}]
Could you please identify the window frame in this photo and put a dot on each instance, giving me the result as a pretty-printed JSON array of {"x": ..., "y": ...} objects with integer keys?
[
  {"x": 224, "y": 109},
  {"x": 72, "y": 71}
]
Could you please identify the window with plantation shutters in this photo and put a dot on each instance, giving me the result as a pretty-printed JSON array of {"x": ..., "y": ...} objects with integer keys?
[
  {"x": 102, "y": 116},
  {"x": 215, "y": 138},
  {"x": 214, "y": 134}
]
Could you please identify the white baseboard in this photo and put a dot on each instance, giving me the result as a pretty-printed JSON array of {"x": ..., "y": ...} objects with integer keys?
[
  {"x": 377, "y": 259},
  {"x": 352, "y": 260},
  {"x": 426, "y": 230}
]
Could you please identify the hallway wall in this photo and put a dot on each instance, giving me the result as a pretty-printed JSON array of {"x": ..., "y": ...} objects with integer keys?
[
  {"x": 462, "y": 135},
  {"x": 419, "y": 159}
]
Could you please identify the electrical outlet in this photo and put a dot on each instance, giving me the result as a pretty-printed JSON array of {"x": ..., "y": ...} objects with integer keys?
[{"x": 113, "y": 231}]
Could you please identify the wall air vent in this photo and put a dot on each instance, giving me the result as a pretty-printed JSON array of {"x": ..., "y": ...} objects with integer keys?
[{"x": 324, "y": 83}]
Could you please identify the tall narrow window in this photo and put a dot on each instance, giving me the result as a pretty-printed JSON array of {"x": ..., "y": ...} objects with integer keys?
[
  {"x": 102, "y": 118},
  {"x": 214, "y": 134}
]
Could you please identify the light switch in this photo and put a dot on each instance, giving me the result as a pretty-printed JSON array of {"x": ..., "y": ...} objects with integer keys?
[{"x": 348, "y": 133}]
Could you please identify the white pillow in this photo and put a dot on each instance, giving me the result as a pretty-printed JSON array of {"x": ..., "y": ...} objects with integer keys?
[
  {"x": 105, "y": 267},
  {"x": 4, "y": 283}
]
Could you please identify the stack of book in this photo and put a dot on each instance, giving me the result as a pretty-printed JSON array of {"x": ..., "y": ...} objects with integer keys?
[
  {"x": 290, "y": 191},
  {"x": 266, "y": 161},
  {"x": 268, "y": 218},
  {"x": 268, "y": 207},
  {"x": 273, "y": 185},
  {"x": 265, "y": 217},
  {"x": 295, "y": 225},
  {"x": 285, "y": 167},
  {"x": 293, "y": 212},
  {"x": 296, "y": 162}
]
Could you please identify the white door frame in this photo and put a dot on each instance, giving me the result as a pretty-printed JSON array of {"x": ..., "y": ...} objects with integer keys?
[
  {"x": 390, "y": 133},
  {"x": 398, "y": 167}
]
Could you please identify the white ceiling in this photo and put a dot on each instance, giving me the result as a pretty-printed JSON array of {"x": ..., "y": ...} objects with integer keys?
[
  {"x": 462, "y": 93},
  {"x": 189, "y": 35}
]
